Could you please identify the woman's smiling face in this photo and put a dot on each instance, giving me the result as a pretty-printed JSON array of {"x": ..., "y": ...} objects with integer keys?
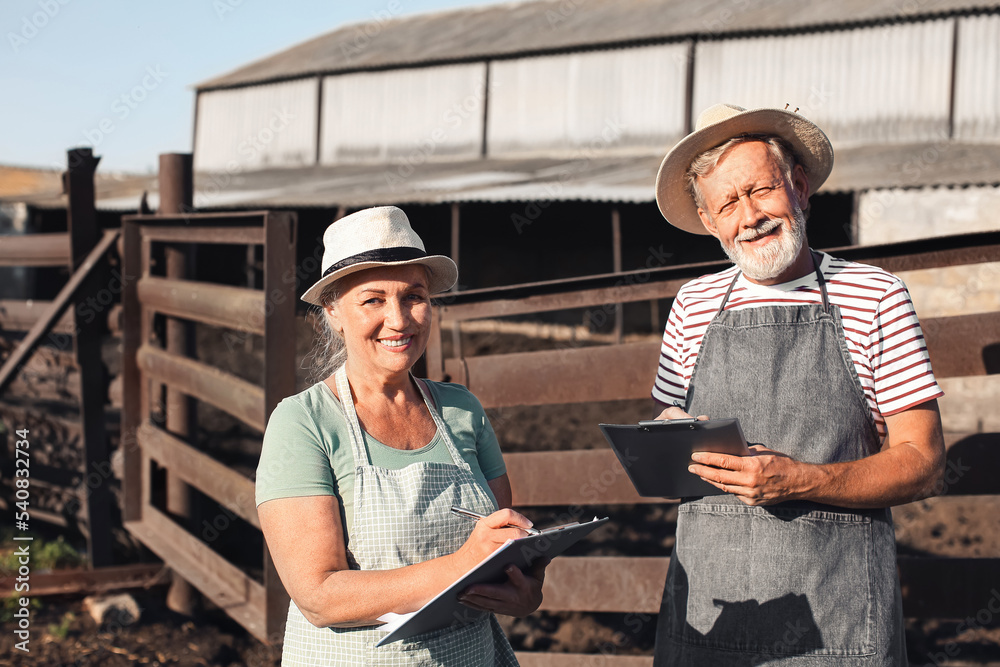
[{"x": 384, "y": 315}]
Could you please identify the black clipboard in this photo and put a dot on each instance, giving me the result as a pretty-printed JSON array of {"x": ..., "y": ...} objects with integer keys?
[
  {"x": 656, "y": 454},
  {"x": 445, "y": 609}
]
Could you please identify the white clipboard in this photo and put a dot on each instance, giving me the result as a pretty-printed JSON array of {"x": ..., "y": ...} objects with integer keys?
[{"x": 445, "y": 609}]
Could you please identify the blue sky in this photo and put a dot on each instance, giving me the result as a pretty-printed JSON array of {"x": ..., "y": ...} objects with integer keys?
[{"x": 118, "y": 74}]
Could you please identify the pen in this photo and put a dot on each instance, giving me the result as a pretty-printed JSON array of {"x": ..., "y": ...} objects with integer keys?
[{"x": 476, "y": 516}]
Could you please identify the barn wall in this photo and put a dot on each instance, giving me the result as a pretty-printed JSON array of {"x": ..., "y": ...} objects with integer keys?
[{"x": 259, "y": 127}]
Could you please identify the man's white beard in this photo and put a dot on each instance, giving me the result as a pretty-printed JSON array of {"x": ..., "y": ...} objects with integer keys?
[{"x": 771, "y": 260}]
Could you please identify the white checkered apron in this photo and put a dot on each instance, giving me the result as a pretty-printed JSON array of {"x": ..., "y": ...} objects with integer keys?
[{"x": 402, "y": 517}]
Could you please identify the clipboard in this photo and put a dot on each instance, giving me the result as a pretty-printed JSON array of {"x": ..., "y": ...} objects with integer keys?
[
  {"x": 656, "y": 454},
  {"x": 445, "y": 609}
]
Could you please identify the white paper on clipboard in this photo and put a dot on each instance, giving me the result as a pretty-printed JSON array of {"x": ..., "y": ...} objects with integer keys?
[{"x": 445, "y": 609}]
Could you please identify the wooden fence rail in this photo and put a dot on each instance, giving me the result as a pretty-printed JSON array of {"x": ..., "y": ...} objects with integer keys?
[{"x": 35, "y": 250}]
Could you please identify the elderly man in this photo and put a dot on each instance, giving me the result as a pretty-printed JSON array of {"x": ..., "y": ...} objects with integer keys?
[{"x": 824, "y": 363}]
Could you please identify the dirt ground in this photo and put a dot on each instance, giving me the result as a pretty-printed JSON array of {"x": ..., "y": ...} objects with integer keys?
[{"x": 64, "y": 634}]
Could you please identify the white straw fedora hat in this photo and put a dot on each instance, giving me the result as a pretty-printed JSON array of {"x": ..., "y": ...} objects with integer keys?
[
  {"x": 372, "y": 237},
  {"x": 717, "y": 125}
]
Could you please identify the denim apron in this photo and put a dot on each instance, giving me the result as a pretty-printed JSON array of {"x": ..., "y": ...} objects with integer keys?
[
  {"x": 797, "y": 583},
  {"x": 402, "y": 517}
]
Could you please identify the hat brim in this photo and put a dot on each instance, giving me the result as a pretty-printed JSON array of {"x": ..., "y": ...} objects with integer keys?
[
  {"x": 810, "y": 143},
  {"x": 443, "y": 275}
]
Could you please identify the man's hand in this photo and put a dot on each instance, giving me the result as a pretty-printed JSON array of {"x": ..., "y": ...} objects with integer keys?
[
  {"x": 764, "y": 477},
  {"x": 676, "y": 412}
]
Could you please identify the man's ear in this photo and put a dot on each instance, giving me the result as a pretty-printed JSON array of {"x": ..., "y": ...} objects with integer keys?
[
  {"x": 800, "y": 186},
  {"x": 706, "y": 220}
]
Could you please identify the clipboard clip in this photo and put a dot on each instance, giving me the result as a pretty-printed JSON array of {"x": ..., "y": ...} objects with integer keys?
[{"x": 650, "y": 424}]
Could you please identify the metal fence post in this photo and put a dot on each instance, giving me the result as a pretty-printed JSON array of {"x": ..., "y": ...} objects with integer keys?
[
  {"x": 176, "y": 181},
  {"x": 81, "y": 216}
]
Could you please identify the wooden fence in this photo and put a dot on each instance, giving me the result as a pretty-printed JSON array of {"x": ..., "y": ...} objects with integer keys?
[
  {"x": 82, "y": 249},
  {"x": 259, "y": 605},
  {"x": 932, "y": 587}
]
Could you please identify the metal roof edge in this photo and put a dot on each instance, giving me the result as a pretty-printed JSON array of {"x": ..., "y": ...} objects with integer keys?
[{"x": 638, "y": 41}]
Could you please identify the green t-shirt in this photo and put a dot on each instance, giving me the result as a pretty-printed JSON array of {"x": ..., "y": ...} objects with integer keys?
[{"x": 307, "y": 446}]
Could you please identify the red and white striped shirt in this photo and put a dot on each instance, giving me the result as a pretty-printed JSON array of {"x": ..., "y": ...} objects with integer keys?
[{"x": 880, "y": 326}]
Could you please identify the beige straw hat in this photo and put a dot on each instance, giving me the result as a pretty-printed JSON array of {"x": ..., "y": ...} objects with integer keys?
[
  {"x": 372, "y": 237},
  {"x": 717, "y": 125}
]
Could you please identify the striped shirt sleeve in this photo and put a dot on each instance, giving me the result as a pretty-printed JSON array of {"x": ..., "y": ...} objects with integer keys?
[
  {"x": 670, "y": 384},
  {"x": 900, "y": 364}
]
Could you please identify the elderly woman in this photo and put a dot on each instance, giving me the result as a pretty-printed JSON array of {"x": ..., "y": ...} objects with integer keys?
[{"x": 358, "y": 473}]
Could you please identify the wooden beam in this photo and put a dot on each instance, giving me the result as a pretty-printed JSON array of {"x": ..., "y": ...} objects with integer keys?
[
  {"x": 55, "y": 310},
  {"x": 573, "y": 477},
  {"x": 226, "y": 585},
  {"x": 931, "y": 587},
  {"x": 604, "y": 584},
  {"x": 229, "y": 488},
  {"x": 571, "y": 375},
  {"x": 971, "y": 465},
  {"x": 663, "y": 282},
  {"x": 236, "y": 308},
  {"x": 242, "y": 399},
  {"x": 100, "y": 580},
  {"x": 133, "y": 408},
  {"x": 281, "y": 231},
  {"x": 236, "y": 235},
  {"x": 81, "y": 218},
  {"x": 35, "y": 250},
  {"x": 629, "y": 288},
  {"x": 949, "y": 587},
  {"x": 433, "y": 355},
  {"x": 957, "y": 344},
  {"x": 574, "y": 375},
  {"x": 595, "y": 476},
  {"x": 22, "y": 315}
]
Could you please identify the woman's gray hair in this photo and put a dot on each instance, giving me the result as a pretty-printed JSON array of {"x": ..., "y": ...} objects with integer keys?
[
  {"x": 702, "y": 165},
  {"x": 328, "y": 353}
]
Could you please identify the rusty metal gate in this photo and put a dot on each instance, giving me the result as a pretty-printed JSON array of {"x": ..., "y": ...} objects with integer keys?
[{"x": 259, "y": 604}]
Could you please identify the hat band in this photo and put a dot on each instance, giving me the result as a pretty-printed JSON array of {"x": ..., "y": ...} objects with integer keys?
[{"x": 397, "y": 254}]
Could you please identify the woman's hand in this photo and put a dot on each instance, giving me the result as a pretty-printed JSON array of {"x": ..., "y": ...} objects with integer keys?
[
  {"x": 518, "y": 596},
  {"x": 489, "y": 535}
]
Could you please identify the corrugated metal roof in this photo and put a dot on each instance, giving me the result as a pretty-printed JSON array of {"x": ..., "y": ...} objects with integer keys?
[
  {"x": 618, "y": 178},
  {"x": 542, "y": 26}
]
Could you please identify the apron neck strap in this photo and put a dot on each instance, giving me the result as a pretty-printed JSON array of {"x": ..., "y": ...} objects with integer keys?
[
  {"x": 353, "y": 424},
  {"x": 817, "y": 260},
  {"x": 357, "y": 434}
]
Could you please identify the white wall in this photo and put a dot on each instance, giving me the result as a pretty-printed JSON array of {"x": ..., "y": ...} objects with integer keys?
[
  {"x": 258, "y": 127},
  {"x": 888, "y": 83},
  {"x": 408, "y": 115},
  {"x": 977, "y": 88},
  {"x": 593, "y": 101}
]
